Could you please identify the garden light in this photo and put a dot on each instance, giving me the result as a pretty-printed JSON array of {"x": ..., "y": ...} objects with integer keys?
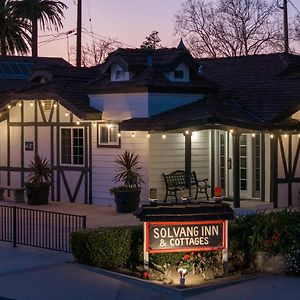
[{"x": 182, "y": 272}]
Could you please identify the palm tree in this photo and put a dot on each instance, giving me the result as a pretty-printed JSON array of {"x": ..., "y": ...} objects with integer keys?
[
  {"x": 14, "y": 37},
  {"x": 46, "y": 12}
]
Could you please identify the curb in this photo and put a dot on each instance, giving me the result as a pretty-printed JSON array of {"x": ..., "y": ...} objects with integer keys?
[{"x": 170, "y": 290}]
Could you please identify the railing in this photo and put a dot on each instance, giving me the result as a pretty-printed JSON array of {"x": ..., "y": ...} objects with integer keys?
[{"x": 38, "y": 228}]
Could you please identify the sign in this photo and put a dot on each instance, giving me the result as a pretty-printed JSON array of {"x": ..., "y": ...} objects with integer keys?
[
  {"x": 28, "y": 146},
  {"x": 185, "y": 236}
]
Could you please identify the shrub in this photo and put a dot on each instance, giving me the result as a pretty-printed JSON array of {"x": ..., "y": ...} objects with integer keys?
[
  {"x": 108, "y": 248},
  {"x": 275, "y": 233}
]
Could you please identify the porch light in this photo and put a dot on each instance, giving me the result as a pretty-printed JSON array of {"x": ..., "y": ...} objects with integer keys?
[
  {"x": 78, "y": 122},
  {"x": 66, "y": 114},
  {"x": 133, "y": 134},
  {"x": 9, "y": 106},
  {"x": 43, "y": 103},
  {"x": 231, "y": 131},
  {"x": 271, "y": 136},
  {"x": 164, "y": 136},
  {"x": 109, "y": 125},
  {"x": 299, "y": 135},
  {"x": 148, "y": 135},
  {"x": 119, "y": 134},
  {"x": 94, "y": 124},
  {"x": 31, "y": 103},
  {"x": 187, "y": 132},
  {"x": 253, "y": 135},
  {"x": 20, "y": 104},
  {"x": 55, "y": 105},
  {"x": 285, "y": 136}
]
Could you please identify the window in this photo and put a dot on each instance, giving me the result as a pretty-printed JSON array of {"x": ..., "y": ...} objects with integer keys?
[
  {"x": 243, "y": 162},
  {"x": 120, "y": 75},
  {"x": 222, "y": 156},
  {"x": 72, "y": 146},
  {"x": 108, "y": 135},
  {"x": 178, "y": 74}
]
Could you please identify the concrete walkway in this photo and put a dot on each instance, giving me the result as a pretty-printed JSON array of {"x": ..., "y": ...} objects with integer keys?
[{"x": 28, "y": 273}]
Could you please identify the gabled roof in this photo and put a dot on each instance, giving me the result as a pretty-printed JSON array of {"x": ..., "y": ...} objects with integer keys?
[
  {"x": 261, "y": 83},
  {"x": 15, "y": 70},
  {"x": 148, "y": 67},
  {"x": 259, "y": 92},
  {"x": 67, "y": 87}
]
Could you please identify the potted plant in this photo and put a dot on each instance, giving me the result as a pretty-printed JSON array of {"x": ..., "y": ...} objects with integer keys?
[
  {"x": 127, "y": 196},
  {"x": 39, "y": 181}
]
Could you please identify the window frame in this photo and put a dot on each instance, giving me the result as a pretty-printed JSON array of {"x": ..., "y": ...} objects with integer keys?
[
  {"x": 100, "y": 144},
  {"x": 72, "y": 146}
]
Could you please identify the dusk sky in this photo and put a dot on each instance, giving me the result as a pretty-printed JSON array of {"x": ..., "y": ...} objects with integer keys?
[{"x": 128, "y": 21}]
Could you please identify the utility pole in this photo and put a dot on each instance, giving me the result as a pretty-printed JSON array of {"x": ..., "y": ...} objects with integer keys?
[
  {"x": 78, "y": 40},
  {"x": 285, "y": 26}
]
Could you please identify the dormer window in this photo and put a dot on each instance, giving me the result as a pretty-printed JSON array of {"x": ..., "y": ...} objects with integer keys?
[
  {"x": 118, "y": 74},
  {"x": 178, "y": 74}
]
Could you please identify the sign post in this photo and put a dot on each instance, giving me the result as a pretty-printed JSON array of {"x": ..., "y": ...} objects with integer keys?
[{"x": 185, "y": 227}]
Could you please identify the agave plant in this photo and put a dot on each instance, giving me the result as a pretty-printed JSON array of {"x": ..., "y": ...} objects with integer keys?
[
  {"x": 40, "y": 171},
  {"x": 129, "y": 170}
]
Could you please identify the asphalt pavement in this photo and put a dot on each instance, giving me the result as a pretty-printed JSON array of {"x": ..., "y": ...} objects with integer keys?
[{"x": 32, "y": 274}]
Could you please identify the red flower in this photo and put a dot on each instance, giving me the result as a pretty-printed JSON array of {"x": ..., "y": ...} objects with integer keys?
[
  {"x": 186, "y": 256},
  {"x": 146, "y": 275}
]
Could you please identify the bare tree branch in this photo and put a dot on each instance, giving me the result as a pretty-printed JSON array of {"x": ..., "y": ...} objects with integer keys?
[{"x": 230, "y": 27}]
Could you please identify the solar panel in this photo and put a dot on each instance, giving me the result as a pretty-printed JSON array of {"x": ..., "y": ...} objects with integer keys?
[{"x": 12, "y": 70}]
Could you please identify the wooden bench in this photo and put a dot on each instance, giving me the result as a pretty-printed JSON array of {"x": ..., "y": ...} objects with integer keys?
[
  {"x": 18, "y": 193},
  {"x": 175, "y": 182}
]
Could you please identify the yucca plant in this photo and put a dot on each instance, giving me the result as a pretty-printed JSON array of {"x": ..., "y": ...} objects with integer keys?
[
  {"x": 39, "y": 181},
  {"x": 40, "y": 171},
  {"x": 127, "y": 196},
  {"x": 129, "y": 172}
]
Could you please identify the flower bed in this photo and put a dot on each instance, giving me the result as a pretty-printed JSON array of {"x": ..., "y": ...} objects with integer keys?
[{"x": 261, "y": 236}]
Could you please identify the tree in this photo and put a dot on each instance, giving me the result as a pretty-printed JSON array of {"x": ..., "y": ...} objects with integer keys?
[
  {"x": 14, "y": 38},
  {"x": 230, "y": 27},
  {"x": 152, "y": 41},
  {"x": 47, "y": 13},
  {"x": 95, "y": 54},
  {"x": 297, "y": 27}
]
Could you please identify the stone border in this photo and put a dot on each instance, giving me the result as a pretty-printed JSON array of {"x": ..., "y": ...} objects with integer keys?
[{"x": 167, "y": 289}]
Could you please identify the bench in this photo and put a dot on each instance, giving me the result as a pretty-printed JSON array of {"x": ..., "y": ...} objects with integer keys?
[
  {"x": 18, "y": 193},
  {"x": 175, "y": 182}
]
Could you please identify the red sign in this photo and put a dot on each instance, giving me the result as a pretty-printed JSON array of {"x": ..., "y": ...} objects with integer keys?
[{"x": 185, "y": 236}]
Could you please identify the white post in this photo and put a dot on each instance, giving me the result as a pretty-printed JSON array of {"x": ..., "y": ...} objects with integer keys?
[
  {"x": 146, "y": 254},
  {"x": 225, "y": 250}
]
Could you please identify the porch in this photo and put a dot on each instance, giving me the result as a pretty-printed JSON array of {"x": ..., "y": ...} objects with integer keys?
[{"x": 101, "y": 215}]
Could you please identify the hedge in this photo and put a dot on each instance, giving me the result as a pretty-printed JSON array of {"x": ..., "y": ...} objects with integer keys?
[{"x": 108, "y": 247}]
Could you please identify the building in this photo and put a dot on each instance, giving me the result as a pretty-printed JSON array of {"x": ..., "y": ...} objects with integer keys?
[{"x": 232, "y": 120}]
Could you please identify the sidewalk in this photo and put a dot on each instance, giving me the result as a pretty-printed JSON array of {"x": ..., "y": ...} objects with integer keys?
[{"x": 28, "y": 273}]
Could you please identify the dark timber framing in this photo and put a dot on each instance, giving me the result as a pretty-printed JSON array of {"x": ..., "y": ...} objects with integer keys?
[
  {"x": 274, "y": 170},
  {"x": 40, "y": 120},
  {"x": 289, "y": 164}
]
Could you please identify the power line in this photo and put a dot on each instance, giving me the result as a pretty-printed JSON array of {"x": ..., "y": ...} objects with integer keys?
[{"x": 295, "y": 7}]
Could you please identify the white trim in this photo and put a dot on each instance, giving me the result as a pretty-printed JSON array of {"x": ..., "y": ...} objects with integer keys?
[{"x": 72, "y": 144}]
